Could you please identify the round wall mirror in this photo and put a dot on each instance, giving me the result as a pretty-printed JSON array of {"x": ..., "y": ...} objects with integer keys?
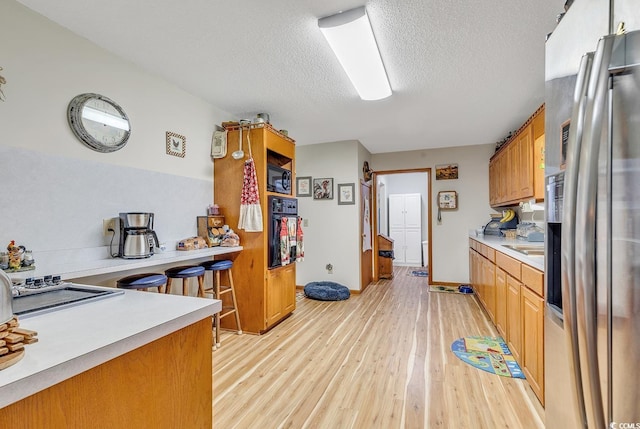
[{"x": 99, "y": 122}]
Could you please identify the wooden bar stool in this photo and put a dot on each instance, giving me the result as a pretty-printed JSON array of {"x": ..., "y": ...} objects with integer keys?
[
  {"x": 217, "y": 290},
  {"x": 143, "y": 281},
  {"x": 185, "y": 272}
]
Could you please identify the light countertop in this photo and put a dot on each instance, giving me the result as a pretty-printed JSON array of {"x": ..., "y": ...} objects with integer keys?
[
  {"x": 498, "y": 243},
  {"x": 75, "y": 339},
  {"x": 73, "y": 264}
]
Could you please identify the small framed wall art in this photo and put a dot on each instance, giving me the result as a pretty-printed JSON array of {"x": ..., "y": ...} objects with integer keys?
[
  {"x": 446, "y": 171},
  {"x": 346, "y": 192},
  {"x": 176, "y": 144},
  {"x": 447, "y": 200},
  {"x": 323, "y": 188},
  {"x": 303, "y": 186}
]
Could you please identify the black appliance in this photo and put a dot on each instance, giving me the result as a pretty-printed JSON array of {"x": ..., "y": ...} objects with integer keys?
[
  {"x": 495, "y": 227},
  {"x": 554, "y": 200},
  {"x": 280, "y": 208},
  {"x": 278, "y": 179}
]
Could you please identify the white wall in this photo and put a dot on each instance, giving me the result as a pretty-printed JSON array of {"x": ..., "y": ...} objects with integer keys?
[
  {"x": 450, "y": 237},
  {"x": 45, "y": 66},
  {"x": 333, "y": 232}
]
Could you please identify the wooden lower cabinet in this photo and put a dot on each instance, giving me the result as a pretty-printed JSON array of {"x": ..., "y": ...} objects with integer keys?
[
  {"x": 512, "y": 294},
  {"x": 164, "y": 384},
  {"x": 533, "y": 340},
  {"x": 501, "y": 302},
  {"x": 489, "y": 280},
  {"x": 281, "y": 293},
  {"x": 385, "y": 263},
  {"x": 514, "y": 325}
]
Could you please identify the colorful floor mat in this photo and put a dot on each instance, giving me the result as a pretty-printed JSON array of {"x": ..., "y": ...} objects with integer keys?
[{"x": 488, "y": 354}]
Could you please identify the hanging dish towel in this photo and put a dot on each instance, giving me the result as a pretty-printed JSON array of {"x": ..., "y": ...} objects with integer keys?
[
  {"x": 285, "y": 243},
  {"x": 299, "y": 242},
  {"x": 250, "y": 211}
]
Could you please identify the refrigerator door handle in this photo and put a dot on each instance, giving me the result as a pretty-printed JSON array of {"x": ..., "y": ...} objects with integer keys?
[
  {"x": 569, "y": 227},
  {"x": 585, "y": 233}
]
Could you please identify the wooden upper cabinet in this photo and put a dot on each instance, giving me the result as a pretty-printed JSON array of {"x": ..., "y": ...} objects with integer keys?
[{"x": 516, "y": 171}]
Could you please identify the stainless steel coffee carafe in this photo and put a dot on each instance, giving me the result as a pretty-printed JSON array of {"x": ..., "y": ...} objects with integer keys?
[{"x": 137, "y": 237}]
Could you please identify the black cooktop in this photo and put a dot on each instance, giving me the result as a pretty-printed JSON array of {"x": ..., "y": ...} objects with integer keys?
[{"x": 44, "y": 301}]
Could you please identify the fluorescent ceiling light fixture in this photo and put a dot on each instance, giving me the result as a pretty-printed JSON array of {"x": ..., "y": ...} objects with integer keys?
[{"x": 350, "y": 36}]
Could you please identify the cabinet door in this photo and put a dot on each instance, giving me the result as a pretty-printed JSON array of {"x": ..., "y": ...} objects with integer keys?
[
  {"x": 533, "y": 341},
  {"x": 514, "y": 327},
  {"x": 501, "y": 302},
  {"x": 413, "y": 246},
  {"x": 399, "y": 245},
  {"x": 289, "y": 289},
  {"x": 489, "y": 279},
  {"x": 511, "y": 171},
  {"x": 396, "y": 211},
  {"x": 412, "y": 211},
  {"x": 280, "y": 293},
  {"x": 493, "y": 182},
  {"x": 524, "y": 169}
]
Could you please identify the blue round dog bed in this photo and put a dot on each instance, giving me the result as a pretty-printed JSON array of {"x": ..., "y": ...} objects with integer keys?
[{"x": 327, "y": 291}]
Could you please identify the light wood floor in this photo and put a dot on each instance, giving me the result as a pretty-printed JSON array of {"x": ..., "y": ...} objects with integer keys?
[{"x": 381, "y": 359}]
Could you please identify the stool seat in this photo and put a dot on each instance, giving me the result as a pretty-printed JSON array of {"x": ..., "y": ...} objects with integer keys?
[
  {"x": 184, "y": 272},
  {"x": 217, "y": 265},
  {"x": 142, "y": 281}
]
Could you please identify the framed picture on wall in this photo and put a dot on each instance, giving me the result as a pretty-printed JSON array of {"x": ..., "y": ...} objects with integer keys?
[
  {"x": 346, "y": 193},
  {"x": 176, "y": 144},
  {"x": 446, "y": 171},
  {"x": 323, "y": 188},
  {"x": 303, "y": 186}
]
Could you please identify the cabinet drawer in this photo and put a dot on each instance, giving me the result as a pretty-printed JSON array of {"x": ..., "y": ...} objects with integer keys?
[
  {"x": 533, "y": 279},
  {"x": 510, "y": 265},
  {"x": 473, "y": 244},
  {"x": 489, "y": 253}
]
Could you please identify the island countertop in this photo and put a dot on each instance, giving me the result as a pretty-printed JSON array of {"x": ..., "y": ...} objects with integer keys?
[{"x": 73, "y": 340}]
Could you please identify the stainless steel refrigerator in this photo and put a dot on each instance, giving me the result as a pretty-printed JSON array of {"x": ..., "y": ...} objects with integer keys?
[{"x": 592, "y": 131}]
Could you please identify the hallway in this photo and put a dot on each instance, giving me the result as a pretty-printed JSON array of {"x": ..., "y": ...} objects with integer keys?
[{"x": 378, "y": 360}]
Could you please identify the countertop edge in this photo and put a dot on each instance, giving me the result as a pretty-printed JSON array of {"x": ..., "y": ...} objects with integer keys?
[
  {"x": 19, "y": 389},
  {"x": 497, "y": 243},
  {"x": 59, "y": 265}
]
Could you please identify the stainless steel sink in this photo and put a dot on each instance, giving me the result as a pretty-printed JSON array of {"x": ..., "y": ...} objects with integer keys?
[
  {"x": 526, "y": 249},
  {"x": 66, "y": 295}
]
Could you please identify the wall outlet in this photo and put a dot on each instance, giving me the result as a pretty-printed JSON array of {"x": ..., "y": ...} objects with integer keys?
[
  {"x": 108, "y": 224},
  {"x": 329, "y": 268}
]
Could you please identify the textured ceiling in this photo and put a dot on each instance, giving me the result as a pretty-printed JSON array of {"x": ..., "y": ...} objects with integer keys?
[{"x": 462, "y": 72}]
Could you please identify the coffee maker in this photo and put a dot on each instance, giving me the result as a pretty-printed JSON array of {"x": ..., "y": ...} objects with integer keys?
[{"x": 137, "y": 237}]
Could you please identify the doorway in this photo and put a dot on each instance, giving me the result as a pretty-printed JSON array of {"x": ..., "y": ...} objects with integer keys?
[{"x": 403, "y": 185}]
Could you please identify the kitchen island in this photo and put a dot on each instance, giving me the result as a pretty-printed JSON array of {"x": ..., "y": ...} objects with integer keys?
[{"x": 137, "y": 359}]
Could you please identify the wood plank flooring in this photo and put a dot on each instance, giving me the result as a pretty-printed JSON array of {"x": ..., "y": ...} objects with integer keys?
[{"x": 381, "y": 359}]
